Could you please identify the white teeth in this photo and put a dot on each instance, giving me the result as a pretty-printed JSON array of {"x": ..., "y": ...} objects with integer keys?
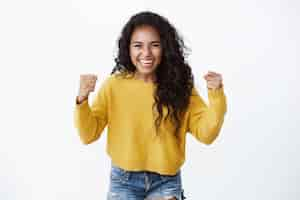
[{"x": 146, "y": 61}]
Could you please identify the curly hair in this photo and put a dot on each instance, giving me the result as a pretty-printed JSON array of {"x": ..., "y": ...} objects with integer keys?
[{"x": 174, "y": 78}]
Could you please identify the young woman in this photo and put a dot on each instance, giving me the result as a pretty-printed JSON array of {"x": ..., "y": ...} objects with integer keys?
[{"x": 148, "y": 104}]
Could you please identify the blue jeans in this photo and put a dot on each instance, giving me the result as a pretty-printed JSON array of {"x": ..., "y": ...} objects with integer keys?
[{"x": 143, "y": 185}]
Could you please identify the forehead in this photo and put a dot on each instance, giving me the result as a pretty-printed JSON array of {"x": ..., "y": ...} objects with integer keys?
[{"x": 145, "y": 33}]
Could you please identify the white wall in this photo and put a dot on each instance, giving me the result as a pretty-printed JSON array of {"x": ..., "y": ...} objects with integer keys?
[{"x": 46, "y": 45}]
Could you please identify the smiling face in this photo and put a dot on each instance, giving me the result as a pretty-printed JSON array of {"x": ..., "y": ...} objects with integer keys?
[{"x": 145, "y": 50}]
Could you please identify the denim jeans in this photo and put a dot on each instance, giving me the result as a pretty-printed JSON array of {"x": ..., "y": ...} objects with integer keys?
[{"x": 143, "y": 185}]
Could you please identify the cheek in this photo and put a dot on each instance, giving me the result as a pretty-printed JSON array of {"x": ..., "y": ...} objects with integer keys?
[
  {"x": 158, "y": 54},
  {"x": 133, "y": 56}
]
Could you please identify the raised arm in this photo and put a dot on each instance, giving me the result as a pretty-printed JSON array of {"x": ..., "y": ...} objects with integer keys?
[
  {"x": 205, "y": 121},
  {"x": 91, "y": 120}
]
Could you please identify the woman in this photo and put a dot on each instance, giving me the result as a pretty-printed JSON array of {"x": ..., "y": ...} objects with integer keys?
[{"x": 149, "y": 103}]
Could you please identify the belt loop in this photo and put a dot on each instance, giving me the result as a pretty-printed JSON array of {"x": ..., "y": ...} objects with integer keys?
[{"x": 147, "y": 184}]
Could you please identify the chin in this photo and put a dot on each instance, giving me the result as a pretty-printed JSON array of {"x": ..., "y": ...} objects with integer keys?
[{"x": 146, "y": 71}]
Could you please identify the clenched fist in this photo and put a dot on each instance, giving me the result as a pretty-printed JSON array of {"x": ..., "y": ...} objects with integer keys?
[
  {"x": 214, "y": 80},
  {"x": 87, "y": 85}
]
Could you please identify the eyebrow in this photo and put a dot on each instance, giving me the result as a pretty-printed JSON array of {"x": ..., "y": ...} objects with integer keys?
[{"x": 138, "y": 42}]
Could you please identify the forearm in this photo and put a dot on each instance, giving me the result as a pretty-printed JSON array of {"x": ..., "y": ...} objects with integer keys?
[
  {"x": 217, "y": 102},
  {"x": 85, "y": 122},
  {"x": 210, "y": 126},
  {"x": 215, "y": 114},
  {"x": 206, "y": 120}
]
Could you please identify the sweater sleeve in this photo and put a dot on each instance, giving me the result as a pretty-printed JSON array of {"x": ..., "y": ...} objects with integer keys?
[
  {"x": 91, "y": 120},
  {"x": 205, "y": 122}
]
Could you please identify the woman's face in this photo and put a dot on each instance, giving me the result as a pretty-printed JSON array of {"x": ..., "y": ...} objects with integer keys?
[{"x": 145, "y": 49}]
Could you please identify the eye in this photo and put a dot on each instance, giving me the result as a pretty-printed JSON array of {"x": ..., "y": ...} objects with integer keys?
[
  {"x": 156, "y": 45},
  {"x": 137, "y": 45}
]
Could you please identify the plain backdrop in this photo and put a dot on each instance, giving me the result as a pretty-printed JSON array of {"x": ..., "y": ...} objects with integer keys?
[{"x": 46, "y": 45}]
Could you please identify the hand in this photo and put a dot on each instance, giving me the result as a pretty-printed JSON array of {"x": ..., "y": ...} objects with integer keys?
[
  {"x": 87, "y": 85},
  {"x": 214, "y": 80}
]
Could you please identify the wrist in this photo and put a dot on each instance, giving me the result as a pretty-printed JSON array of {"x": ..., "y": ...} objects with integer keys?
[{"x": 80, "y": 99}]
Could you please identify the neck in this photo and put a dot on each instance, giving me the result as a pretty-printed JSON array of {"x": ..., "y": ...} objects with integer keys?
[{"x": 145, "y": 77}]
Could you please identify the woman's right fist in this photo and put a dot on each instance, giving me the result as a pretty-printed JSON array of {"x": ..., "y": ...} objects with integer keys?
[{"x": 87, "y": 85}]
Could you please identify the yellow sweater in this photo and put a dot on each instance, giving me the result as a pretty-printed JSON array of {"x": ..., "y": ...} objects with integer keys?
[{"x": 125, "y": 106}]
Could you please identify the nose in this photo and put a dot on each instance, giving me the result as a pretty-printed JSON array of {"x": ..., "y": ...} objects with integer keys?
[{"x": 147, "y": 51}]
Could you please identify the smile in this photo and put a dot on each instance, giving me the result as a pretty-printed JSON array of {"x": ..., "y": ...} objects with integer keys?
[{"x": 146, "y": 62}]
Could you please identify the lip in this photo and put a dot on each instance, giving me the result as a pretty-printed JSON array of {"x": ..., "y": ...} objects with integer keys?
[
  {"x": 146, "y": 63},
  {"x": 147, "y": 66}
]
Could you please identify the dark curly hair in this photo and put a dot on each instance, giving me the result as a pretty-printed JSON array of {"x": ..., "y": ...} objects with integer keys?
[{"x": 174, "y": 78}]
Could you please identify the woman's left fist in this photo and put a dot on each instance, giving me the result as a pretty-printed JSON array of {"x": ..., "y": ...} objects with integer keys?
[{"x": 214, "y": 80}]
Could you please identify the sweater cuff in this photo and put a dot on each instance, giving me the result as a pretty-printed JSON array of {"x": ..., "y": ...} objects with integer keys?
[
  {"x": 216, "y": 93},
  {"x": 82, "y": 104}
]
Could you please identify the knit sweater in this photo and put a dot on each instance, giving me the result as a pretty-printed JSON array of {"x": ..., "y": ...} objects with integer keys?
[{"x": 124, "y": 105}]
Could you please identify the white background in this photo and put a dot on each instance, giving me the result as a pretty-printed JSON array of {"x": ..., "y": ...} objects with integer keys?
[{"x": 46, "y": 45}]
